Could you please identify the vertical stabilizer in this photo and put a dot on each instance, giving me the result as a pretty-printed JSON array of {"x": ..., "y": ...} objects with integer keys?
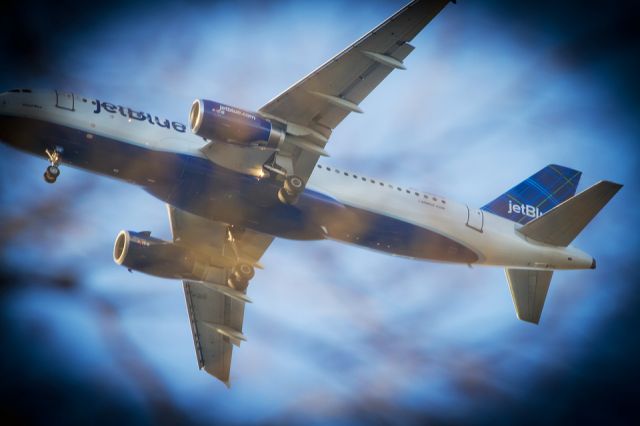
[
  {"x": 536, "y": 195},
  {"x": 528, "y": 292}
]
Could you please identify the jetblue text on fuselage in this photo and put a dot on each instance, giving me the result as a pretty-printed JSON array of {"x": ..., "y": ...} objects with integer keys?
[
  {"x": 524, "y": 209},
  {"x": 137, "y": 115}
]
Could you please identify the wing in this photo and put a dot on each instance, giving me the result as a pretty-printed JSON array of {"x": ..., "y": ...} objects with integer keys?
[
  {"x": 215, "y": 310},
  {"x": 315, "y": 105}
]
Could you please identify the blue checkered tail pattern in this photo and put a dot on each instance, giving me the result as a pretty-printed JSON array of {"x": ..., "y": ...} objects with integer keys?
[{"x": 536, "y": 195}]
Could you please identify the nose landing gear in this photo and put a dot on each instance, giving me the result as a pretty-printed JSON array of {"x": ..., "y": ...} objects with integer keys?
[{"x": 53, "y": 171}]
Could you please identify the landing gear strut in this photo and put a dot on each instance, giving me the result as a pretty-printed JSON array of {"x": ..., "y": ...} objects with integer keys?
[
  {"x": 291, "y": 190},
  {"x": 240, "y": 276},
  {"x": 53, "y": 171}
]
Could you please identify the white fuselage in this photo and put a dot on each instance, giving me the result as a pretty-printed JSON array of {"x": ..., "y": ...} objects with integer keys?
[{"x": 493, "y": 239}]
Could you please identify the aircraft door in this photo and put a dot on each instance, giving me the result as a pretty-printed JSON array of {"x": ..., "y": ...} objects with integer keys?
[
  {"x": 475, "y": 219},
  {"x": 65, "y": 100}
]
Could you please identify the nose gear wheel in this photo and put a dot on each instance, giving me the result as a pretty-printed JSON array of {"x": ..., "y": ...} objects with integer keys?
[{"x": 53, "y": 171}]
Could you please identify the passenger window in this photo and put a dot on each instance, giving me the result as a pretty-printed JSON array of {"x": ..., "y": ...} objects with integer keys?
[
  {"x": 364, "y": 179},
  {"x": 399, "y": 189},
  {"x": 381, "y": 183},
  {"x": 355, "y": 176},
  {"x": 319, "y": 166},
  {"x": 329, "y": 168},
  {"x": 337, "y": 171},
  {"x": 346, "y": 174}
]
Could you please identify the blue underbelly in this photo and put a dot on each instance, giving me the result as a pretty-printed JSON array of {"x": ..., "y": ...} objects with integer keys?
[{"x": 199, "y": 186}]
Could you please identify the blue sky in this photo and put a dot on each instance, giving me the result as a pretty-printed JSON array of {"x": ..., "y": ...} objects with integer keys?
[{"x": 340, "y": 333}]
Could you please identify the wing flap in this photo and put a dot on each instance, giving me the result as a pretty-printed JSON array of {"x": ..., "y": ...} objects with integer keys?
[
  {"x": 225, "y": 290},
  {"x": 216, "y": 322}
]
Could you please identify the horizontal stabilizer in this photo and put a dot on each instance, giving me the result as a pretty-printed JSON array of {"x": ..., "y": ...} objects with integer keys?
[
  {"x": 528, "y": 292},
  {"x": 564, "y": 222}
]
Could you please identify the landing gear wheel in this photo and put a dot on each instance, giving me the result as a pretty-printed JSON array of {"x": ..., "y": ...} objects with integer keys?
[
  {"x": 49, "y": 178},
  {"x": 291, "y": 190},
  {"x": 293, "y": 184},
  {"x": 240, "y": 276},
  {"x": 285, "y": 197},
  {"x": 53, "y": 171}
]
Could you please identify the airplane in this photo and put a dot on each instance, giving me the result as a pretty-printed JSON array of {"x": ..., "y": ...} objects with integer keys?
[{"x": 233, "y": 180}]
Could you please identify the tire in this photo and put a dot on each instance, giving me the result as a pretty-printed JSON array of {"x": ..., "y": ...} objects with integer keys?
[
  {"x": 286, "y": 198},
  {"x": 54, "y": 171},
  {"x": 293, "y": 184},
  {"x": 244, "y": 271},
  {"x": 49, "y": 178},
  {"x": 240, "y": 286},
  {"x": 240, "y": 276}
]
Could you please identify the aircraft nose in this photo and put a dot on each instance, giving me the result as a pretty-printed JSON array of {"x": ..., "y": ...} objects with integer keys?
[
  {"x": 4, "y": 99},
  {"x": 7, "y": 97}
]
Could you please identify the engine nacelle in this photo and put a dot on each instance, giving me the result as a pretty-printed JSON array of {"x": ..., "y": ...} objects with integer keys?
[
  {"x": 215, "y": 121},
  {"x": 140, "y": 252}
]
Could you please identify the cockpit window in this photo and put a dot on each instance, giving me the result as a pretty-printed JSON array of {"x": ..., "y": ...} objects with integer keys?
[
  {"x": 14, "y": 90},
  {"x": 20, "y": 90},
  {"x": 26, "y": 90}
]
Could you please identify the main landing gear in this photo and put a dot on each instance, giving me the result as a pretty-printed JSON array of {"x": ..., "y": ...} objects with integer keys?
[
  {"x": 291, "y": 190},
  {"x": 53, "y": 171},
  {"x": 240, "y": 276},
  {"x": 241, "y": 273}
]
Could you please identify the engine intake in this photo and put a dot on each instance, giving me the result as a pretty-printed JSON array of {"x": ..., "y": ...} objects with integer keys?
[
  {"x": 215, "y": 121},
  {"x": 140, "y": 252}
]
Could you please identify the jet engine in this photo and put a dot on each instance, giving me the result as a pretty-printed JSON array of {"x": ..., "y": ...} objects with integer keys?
[
  {"x": 140, "y": 252},
  {"x": 215, "y": 121}
]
